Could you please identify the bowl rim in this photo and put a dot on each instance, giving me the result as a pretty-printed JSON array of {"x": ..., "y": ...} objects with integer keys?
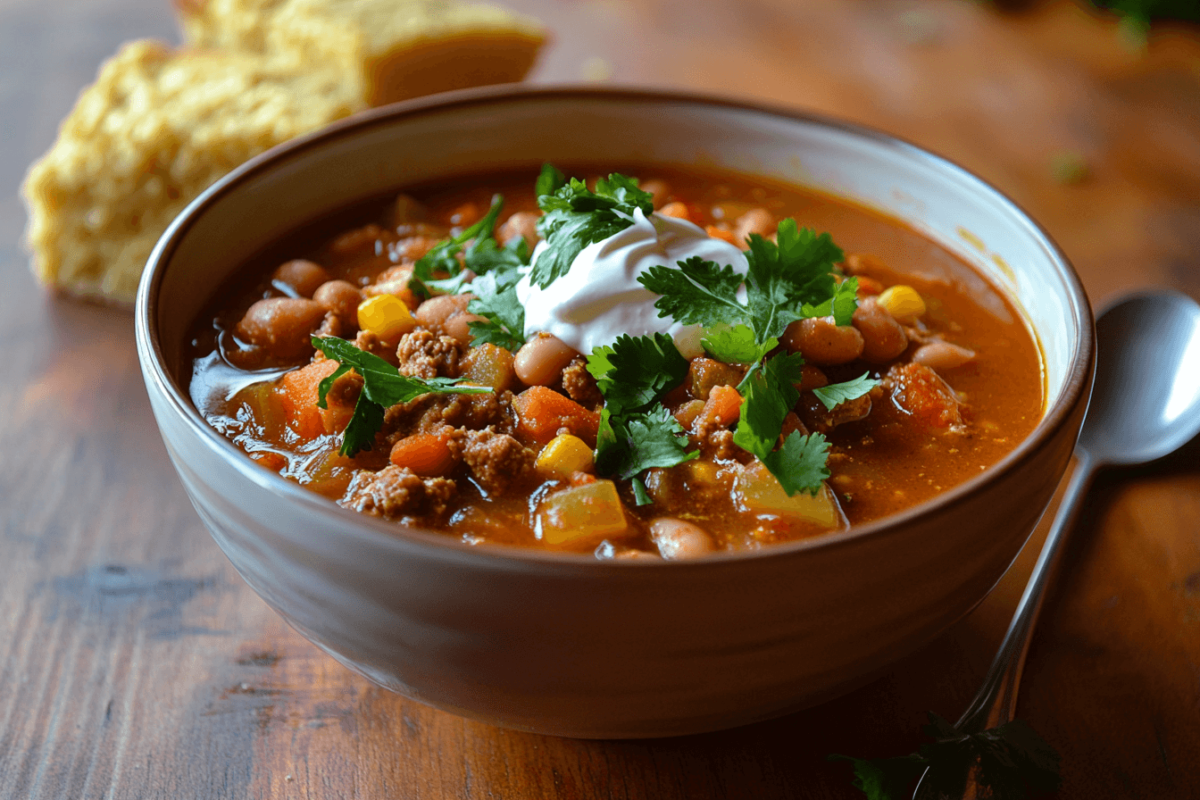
[{"x": 390, "y": 535}]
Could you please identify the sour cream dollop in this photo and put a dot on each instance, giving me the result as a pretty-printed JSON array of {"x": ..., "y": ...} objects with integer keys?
[{"x": 600, "y": 298}]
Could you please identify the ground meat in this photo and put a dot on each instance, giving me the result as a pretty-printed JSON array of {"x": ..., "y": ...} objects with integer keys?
[
  {"x": 818, "y": 418},
  {"x": 345, "y": 390},
  {"x": 396, "y": 491},
  {"x": 431, "y": 412},
  {"x": 424, "y": 354},
  {"x": 719, "y": 445},
  {"x": 497, "y": 460},
  {"x": 579, "y": 384},
  {"x": 372, "y": 344}
]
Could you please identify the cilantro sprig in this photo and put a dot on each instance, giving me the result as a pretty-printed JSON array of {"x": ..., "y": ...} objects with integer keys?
[
  {"x": 496, "y": 301},
  {"x": 636, "y": 432},
  {"x": 786, "y": 280},
  {"x": 576, "y": 216},
  {"x": 1010, "y": 762},
  {"x": 383, "y": 387},
  {"x": 443, "y": 270},
  {"x": 835, "y": 394}
]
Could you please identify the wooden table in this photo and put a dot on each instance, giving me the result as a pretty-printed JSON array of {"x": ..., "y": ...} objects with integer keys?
[{"x": 135, "y": 663}]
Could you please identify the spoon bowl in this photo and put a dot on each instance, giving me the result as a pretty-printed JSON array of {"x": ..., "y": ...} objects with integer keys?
[{"x": 1146, "y": 396}]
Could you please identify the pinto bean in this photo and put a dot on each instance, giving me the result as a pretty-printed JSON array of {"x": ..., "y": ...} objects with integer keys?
[
  {"x": 523, "y": 224},
  {"x": 342, "y": 298},
  {"x": 434, "y": 313},
  {"x": 678, "y": 539},
  {"x": 301, "y": 276},
  {"x": 541, "y": 360},
  {"x": 675, "y": 209},
  {"x": 458, "y": 327},
  {"x": 823, "y": 342},
  {"x": 756, "y": 220},
  {"x": 939, "y": 356},
  {"x": 282, "y": 325},
  {"x": 883, "y": 337},
  {"x": 658, "y": 189}
]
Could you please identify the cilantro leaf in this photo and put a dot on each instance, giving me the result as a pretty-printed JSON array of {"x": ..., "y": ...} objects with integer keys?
[
  {"x": 835, "y": 394},
  {"x": 549, "y": 180},
  {"x": 443, "y": 259},
  {"x": 1010, "y": 762},
  {"x": 496, "y": 301},
  {"x": 629, "y": 444},
  {"x": 784, "y": 276},
  {"x": 383, "y": 387},
  {"x": 767, "y": 397},
  {"x": 800, "y": 464},
  {"x": 636, "y": 372},
  {"x": 735, "y": 345},
  {"x": 576, "y": 216},
  {"x": 841, "y": 306},
  {"x": 697, "y": 292}
]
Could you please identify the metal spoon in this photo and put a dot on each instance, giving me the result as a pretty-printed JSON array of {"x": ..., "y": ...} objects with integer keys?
[{"x": 1145, "y": 404}]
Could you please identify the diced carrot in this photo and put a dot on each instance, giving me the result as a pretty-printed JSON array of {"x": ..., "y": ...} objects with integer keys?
[
  {"x": 298, "y": 394},
  {"x": 426, "y": 454},
  {"x": 722, "y": 408},
  {"x": 922, "y": 393},
  {"x": 722, "y": 234},
  {"x": 543, "y": 412}
]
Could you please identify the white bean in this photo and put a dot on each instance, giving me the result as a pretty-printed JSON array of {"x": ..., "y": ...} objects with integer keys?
[
  {"x": 678, "y": 539},
  {"x": 938, "y": 355},
  {"x": 541, "y": 360}
]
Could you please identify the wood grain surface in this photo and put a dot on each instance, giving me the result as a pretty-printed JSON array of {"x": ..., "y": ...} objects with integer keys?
[{"x": 135, "y": 663}]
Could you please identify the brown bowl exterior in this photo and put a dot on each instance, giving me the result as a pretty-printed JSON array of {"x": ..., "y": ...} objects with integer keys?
[{"x": 559, "y": 643}]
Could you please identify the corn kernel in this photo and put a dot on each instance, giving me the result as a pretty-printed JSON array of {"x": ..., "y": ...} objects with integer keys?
[
  {"x": 386, "y": 316},
  {"x": 902, "y": 302},
  {"x": 564, "y": 455},
  {"x": 702, "y": 473}
]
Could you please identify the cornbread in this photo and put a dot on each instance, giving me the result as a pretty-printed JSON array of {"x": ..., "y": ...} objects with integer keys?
[
  {"x": 161, "y": 125},
  {"x": 392, "y": 49},
  {"x": 156, "y": 129}
]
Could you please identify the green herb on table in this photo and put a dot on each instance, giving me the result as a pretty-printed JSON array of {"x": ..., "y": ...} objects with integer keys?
[
  {"x": 383, "y": 387},
  {"x": 1009, "y": 762}
]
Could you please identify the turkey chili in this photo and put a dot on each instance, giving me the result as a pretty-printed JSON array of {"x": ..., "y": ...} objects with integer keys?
[{"x": 668, "y": 367}]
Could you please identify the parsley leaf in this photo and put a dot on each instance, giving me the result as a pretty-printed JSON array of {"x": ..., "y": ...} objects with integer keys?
[
  {"x": 1010, "y": 761},
  {"x": 636, "y": 372},
  {"x": 443, "y": 259},
  {"x": 837, "y": 393},
  {"x": 629, "y": 444},
  {"x": 496, "y": 301},
  {"x": 735, "y": 345},
  {"x": 576, "y": 216},
  {"x": 383, "y": 387}
]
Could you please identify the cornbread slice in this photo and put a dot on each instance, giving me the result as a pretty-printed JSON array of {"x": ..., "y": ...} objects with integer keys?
[
  {"x": 393, "y": 49},
  {"x": 157, "y": 128}
]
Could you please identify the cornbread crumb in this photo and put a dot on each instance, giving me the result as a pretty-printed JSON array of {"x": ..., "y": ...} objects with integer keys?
[{"x": 155, "y": 129}]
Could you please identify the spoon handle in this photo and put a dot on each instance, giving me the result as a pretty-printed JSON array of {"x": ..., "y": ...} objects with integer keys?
[{"x": 996, "y": 701}]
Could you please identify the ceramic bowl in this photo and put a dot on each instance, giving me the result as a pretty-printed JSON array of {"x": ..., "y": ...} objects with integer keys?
[{"x": 560, "y": 643}]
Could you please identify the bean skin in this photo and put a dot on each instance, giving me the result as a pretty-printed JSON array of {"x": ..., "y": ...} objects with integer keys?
[
  {"x": 282, "y": 325},
  {"x": 883, "y": 337},
  {"x": 301, "y": 276},
  {"x": 523, "y": 224},
  {"x": 823, "y": 342},
  {"x": 541, "y": 360},
  {"x": 678, "y": 539},
  {"x": 458, "y": 327},
  {"x": 342, "y": 298},
  {"x": 940, "y": 356},
  {"x": 756, "y": 220},
  {"x": 658, "y": 189},
  {"x": 434, "y": 313}
]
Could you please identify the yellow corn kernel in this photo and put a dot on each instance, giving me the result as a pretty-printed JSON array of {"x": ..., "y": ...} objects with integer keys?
[
  {"x": 386, "y": 316},
  {"x": 902, "y": 302},
  {"x": 565, "y": 454}
]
